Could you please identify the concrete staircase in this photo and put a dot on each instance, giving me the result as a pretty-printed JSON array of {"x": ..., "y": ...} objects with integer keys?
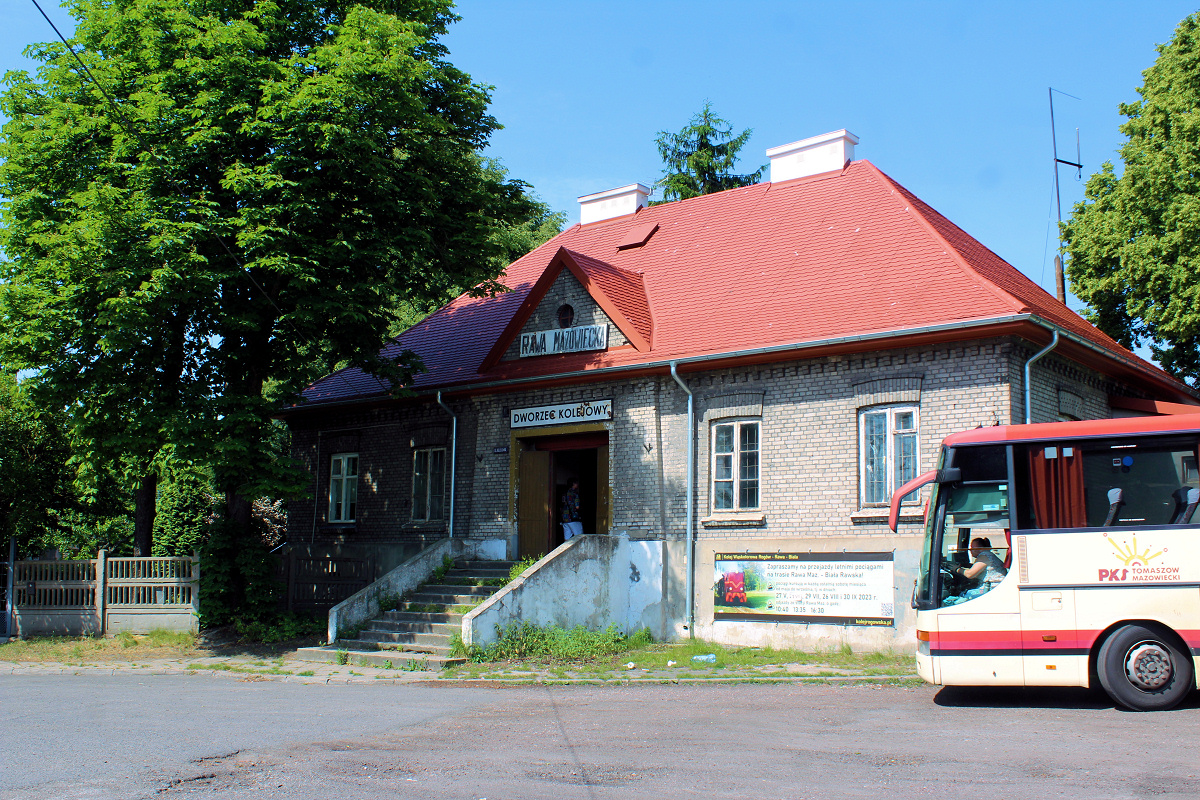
[{"x": 416, "y": 636}]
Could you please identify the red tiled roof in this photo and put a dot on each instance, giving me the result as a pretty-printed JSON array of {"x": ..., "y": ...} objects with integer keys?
[
  {"x": 846, "y": 254},
  {"x": 621, "y": 293}
]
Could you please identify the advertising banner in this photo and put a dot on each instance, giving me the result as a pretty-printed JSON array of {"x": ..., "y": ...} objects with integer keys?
[{"x": 829, "y": 588}]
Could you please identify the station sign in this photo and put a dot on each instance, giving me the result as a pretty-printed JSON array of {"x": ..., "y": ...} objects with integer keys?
[
  {"x": 585, "y": 411},
  {"x": 580, "y": 339}
]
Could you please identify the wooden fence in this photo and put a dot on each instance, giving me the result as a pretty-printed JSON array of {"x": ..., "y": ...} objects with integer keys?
[
  {"x": 105, "y": 595},
  {"x": 317, "y": 580}
]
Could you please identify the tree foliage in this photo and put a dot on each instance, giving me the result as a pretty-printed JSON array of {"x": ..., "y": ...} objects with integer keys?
[
  {"x": 40, "y": 506},
  {"x": 270, "y": 184},
  {"x": 1134, "y": 241},
  {"x": 701, "y": 157}
]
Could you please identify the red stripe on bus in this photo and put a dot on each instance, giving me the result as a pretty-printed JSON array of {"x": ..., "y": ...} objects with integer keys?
[{"x": 1031, "y": 640}]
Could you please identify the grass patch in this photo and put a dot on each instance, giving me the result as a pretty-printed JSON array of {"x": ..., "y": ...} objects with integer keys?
[
  {"x": 516, "y": 569},
  {"x": 525, "y": 641},
  {"x": 606, "y": 657},
  {"x": 125, "y": 646}
]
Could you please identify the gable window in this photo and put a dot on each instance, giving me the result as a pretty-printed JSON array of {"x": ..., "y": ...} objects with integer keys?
[
  {"x": 429, "y": 484},
  {"x": 888, "y": 456},
  {"x": 343, "y": 487},
  {"x": 566, "y": 316},
  {"x": 735, "y": 465}
]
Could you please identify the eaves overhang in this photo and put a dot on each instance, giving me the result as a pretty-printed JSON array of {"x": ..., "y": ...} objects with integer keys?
[{"x": 1028, "y": 326}]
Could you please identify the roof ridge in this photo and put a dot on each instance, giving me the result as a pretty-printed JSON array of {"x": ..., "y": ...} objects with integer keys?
[{"x": 956, "y": 256}]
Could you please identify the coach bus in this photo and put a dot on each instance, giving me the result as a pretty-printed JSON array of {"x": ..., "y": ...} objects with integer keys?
[{"x": 1062, "y": 553}]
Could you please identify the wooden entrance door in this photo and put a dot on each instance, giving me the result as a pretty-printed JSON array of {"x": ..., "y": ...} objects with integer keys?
[
  {"x": 602, "y": 500},
  {"x": 533, "y": 503}
]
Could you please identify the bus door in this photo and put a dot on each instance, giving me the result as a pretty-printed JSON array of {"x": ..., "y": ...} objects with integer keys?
[
  {"x": 980, "y": 639},
  {"x": 979, "y": 626}
]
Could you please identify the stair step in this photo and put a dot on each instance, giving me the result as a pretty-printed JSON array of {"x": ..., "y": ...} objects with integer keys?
[
  {"x": 448, "y": 597},
  {"x": 404, "y": 637},
  {"x": 422, "y": 616},
  {"x": 369, "y": 646},
  {"x": 375, "y": 658},
  {"x": 458, "y": 588},
  {"x": 505, "y": 565},
  {"x": 414, "y": 626}
]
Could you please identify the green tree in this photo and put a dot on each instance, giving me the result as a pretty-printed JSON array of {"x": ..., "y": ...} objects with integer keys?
[
  {"x": 1133, "y": 243},
  {"x": 700, "y": 158},
  {"x": 239, "y": 201},
  {"x": 184, "y": 511},
  {"x": 512, "y": 238},
  {"x": 35, "y": 480},
  {"x": 40, "y": 506}
]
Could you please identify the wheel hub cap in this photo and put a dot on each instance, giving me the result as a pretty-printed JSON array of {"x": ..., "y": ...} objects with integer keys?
[{"x": 1148, "y": 665}]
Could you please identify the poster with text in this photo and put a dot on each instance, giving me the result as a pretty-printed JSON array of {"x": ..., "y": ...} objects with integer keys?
[{"x": 830, "y": 588}]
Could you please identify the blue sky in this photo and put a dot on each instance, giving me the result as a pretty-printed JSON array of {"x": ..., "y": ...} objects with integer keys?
[{"x": 948, "y": 98}]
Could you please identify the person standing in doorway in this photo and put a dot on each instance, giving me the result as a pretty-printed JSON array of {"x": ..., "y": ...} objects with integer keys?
[{"x": 572, "y": 520}]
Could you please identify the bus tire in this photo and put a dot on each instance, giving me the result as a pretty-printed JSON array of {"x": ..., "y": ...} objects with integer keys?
[{"x": 1144, "y": 669}]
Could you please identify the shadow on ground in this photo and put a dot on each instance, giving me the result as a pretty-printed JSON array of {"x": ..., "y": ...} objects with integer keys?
[{"x": 1034, "y": 697}]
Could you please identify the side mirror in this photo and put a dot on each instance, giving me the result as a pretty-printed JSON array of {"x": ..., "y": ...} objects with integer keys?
[{"x": 904, "y": 491}]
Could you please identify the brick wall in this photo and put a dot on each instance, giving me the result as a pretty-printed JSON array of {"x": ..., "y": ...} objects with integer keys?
[{"x": 566, "y": 290}]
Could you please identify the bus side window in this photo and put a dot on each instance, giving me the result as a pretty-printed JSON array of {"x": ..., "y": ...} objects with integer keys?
[{"x": 1115, "y": 482}]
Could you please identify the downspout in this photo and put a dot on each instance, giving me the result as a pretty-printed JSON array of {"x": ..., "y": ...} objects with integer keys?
[
  {"x": 691, "y": 510},
  {"x": 1028, "y": 393},
  {"x": 453, "y": 458}
]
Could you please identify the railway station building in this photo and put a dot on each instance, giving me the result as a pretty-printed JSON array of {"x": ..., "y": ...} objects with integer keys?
[{"x": 738, "y": 382}]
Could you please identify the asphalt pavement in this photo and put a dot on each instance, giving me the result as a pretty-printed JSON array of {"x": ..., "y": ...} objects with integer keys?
[{"x": 139, "y": 736}]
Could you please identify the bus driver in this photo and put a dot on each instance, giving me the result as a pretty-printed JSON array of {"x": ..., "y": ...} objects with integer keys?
[{"x": 985, "y": 573}]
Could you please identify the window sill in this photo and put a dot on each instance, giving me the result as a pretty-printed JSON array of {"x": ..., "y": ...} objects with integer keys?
[
  {"x": 735, "y": 519},
  {"x": 872, "y": 516}
]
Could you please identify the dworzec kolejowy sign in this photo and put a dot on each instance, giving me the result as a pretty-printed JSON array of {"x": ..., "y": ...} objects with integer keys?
[
  {"x": 585, "y": 411},
  {"x": 831, "y": 588},
  {"x": 564, "y": 340}
]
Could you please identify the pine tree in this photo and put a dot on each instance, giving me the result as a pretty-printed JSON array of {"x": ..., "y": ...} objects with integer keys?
[{"x": 700, "y": 158}]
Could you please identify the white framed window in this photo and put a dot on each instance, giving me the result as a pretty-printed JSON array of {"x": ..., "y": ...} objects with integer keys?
[
  {"x": 735, "y": 465},
  {"x": 888, "y": 452},
  {"x": 429, "y": 484},
  {"x": 343, "y": 487}
]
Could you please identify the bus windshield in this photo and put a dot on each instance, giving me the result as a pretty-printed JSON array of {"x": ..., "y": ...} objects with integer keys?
[{"x": 968, "y": 524}]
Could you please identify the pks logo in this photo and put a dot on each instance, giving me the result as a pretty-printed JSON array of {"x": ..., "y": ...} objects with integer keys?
[{"x": 1131, "y": 557}]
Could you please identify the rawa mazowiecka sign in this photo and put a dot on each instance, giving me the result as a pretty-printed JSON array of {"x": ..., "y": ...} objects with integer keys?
[
  {"x": 831, "y": 588},
  {"x": 584, "y": 411},
  {"x": 580, "y": 339}
]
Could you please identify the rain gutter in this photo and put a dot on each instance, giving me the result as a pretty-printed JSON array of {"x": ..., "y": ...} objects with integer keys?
[
  {"x": 691, "y": 500},
  {"x": 1028, "y": 389},
  {"x": 453, "y": 459}
]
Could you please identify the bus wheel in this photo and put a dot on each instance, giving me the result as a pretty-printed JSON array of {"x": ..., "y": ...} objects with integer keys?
[{"x": 1143, "y": 669}]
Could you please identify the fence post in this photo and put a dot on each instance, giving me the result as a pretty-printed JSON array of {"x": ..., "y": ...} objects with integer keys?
[
  {"x": 101, "y": 591},
  {"x": 10, "y": 601},
  {"x": 196, "y": 585}
]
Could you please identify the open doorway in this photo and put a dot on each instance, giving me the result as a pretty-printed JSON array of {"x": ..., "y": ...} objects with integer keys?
[{"x": 547, "y": 465}]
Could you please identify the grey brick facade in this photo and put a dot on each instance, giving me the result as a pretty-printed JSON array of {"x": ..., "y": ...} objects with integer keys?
[{"x": 810, "y": 494}]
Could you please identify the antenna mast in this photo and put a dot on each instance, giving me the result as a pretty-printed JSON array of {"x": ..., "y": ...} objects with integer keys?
[{"x": 1059, "y": 282}]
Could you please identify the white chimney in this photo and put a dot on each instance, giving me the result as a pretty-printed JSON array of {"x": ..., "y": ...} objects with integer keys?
[
  {"x": 613, "y": 203},
  {"x": 824, "y": 153}
]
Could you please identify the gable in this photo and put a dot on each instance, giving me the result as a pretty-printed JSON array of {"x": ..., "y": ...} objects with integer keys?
[{"x": 566, "y": 290}]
